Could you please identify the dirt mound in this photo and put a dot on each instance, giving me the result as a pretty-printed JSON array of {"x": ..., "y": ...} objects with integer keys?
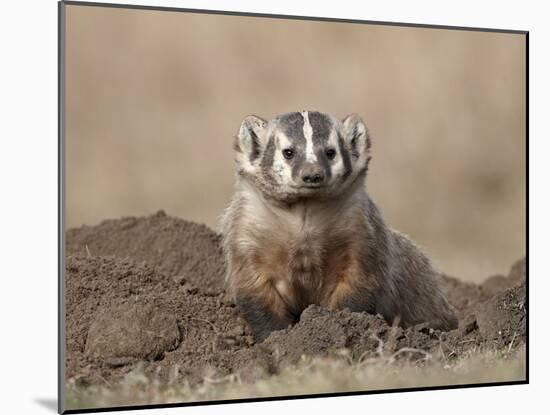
[
  {"x": 148, "y": 292},
  {"x": 466, "y": 296},
  {"x": 501, "y": 320},
  {"x": 321, "y": 332},
  {"x": 498, "y": 283},
  {"x": 177, "y": 248},
  {"x": 121, "y": 313},
  {"x": 493, "y": 324}
]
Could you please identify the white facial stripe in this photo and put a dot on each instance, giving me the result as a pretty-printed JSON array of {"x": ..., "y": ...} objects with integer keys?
[{"x": 308, "y": 134}]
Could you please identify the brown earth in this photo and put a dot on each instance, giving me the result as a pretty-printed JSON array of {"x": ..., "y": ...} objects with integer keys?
[{"x": 148, "y": 292}]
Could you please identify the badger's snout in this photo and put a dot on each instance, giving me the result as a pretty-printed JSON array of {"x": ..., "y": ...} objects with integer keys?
[{"x": 312, "y": 174}]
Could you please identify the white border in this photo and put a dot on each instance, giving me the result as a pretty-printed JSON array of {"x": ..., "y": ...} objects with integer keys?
[{"x": 28, "y": 216}]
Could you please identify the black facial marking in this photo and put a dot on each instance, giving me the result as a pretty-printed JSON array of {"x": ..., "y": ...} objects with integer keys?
[
  {"x": 292, "y": 124},
  {"x": 321, "y": 126},
  {"x": 325, "y": 162},
  {"x": 297, "y": 162},
  {"x": 345, "y": 158}
]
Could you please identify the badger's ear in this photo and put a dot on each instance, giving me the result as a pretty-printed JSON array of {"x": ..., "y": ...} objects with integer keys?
[
  {"x": 250, "y": 140},
  {"x": 356, "y": 136}
]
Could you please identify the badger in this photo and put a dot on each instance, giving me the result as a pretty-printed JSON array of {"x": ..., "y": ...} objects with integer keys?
[{"x": 301, "y": 229}]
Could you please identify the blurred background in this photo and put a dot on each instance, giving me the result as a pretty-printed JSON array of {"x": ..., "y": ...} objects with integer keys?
[{"x": 154, "y": 99}]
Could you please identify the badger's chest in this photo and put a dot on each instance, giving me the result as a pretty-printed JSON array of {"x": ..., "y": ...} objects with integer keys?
[{"x": 308, "y": 253}]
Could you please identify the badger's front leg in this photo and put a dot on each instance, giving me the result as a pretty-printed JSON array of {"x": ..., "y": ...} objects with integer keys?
[
  {"x": 263, "y": 318},
  {"x": 262, "y": 307},
  {"x": 348, "y": 287}
]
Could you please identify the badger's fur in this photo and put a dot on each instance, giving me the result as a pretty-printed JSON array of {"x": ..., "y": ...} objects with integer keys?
[{"x": 301, "y": 229}]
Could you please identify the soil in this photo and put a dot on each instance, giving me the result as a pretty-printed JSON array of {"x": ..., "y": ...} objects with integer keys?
[{"x": 149, "y": 293}]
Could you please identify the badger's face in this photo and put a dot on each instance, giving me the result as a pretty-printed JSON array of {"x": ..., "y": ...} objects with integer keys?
[{"x": 302, "y": 154}]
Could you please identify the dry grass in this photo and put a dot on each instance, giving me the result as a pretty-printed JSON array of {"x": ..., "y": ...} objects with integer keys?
[{"x": 313, "y": 376}]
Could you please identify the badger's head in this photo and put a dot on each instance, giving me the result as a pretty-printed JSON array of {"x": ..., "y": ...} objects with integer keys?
[{"x": 302, "y": 154}]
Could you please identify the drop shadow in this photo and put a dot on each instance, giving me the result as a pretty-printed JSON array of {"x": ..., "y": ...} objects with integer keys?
[{"x": 48, "y": 403}]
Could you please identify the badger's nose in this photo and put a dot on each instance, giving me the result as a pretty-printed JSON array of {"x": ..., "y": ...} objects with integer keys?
[{"x": 313, "y": 174}]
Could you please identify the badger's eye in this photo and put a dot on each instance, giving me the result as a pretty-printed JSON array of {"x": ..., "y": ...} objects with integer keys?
[
  {"x": 331, "y": 153},
  {"x": 288, "y": 153}
]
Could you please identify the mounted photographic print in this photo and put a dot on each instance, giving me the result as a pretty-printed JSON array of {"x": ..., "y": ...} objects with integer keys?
[{"x": 256, "y": 207}]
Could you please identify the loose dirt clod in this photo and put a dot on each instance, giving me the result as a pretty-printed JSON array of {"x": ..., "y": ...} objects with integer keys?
[
  {"x": 132, "y": 330},
  {"x": 148, "y": 293}
]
